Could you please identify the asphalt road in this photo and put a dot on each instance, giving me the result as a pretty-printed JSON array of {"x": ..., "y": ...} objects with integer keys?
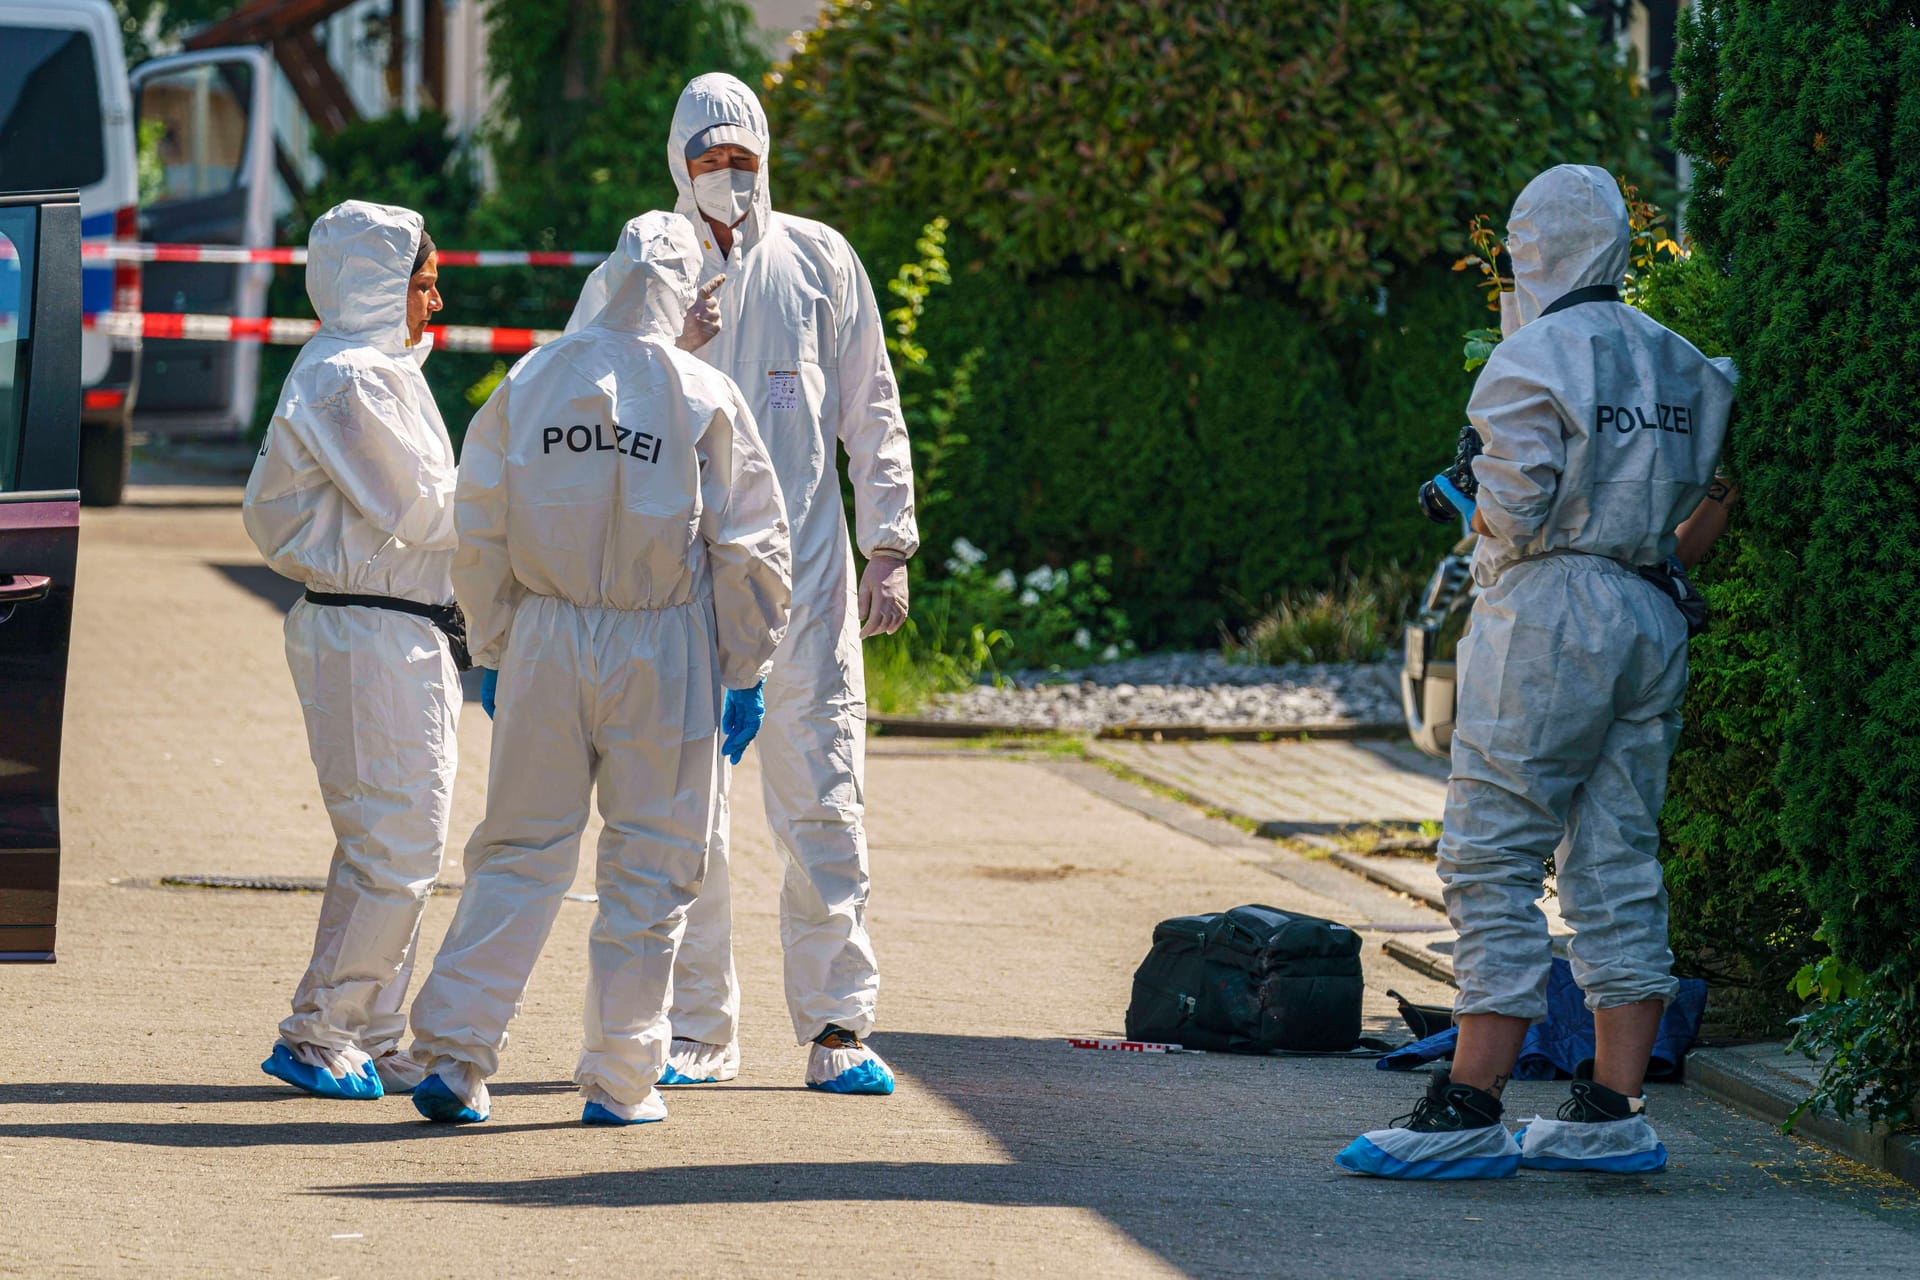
[{"x": 1013, "y": 898}]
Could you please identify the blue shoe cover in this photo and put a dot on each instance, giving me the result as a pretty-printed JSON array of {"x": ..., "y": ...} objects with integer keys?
[
  {"x": 1401, "y": 1153},
  {"x": 594, "y": 1113},
  {"x": 671, "y": 1078},
  {"x": 871, "y": 1076},
  {"x": 1616, "y": 1146},
  {"x": 440, "y": 1104},
  {"x": 358, "y": 1086},
  {"x": 604, "y": 1109}
]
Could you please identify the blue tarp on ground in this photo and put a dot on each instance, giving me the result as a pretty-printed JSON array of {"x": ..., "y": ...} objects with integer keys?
[{"x": 1564, "y": 1039}]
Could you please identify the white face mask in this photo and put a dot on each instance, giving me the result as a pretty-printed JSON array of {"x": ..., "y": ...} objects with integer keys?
[{"x": 725, "y": 195}]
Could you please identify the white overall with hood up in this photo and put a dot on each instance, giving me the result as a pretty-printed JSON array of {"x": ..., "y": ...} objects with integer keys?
[
  {"x": 1602, "y": 430},
  {"x": 353, "y": 494},
  {"x": 623, "y": 555},
  {"x": 803, "y": 336}
]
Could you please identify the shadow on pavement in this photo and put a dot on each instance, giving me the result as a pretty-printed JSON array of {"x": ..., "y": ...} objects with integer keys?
[
  {"x": 257, "y": 579},
  {"x": 137, "y": 1093},
  {"x": 1223, "y": 1165},
  {"x": 402, "y": 1125},
  {"x": 1185, "y": 1154}
]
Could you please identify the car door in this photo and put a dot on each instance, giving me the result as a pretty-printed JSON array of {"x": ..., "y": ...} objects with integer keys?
[
  {"x": 206, "y": 178},
  {"x": 39, "y": 536}
]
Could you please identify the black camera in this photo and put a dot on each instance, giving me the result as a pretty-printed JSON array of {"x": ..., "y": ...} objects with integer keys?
[{"x": 1451, "y": 495}]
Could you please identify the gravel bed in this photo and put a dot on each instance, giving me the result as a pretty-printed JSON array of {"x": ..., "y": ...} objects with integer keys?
[{"x": 1165, "y": 689}]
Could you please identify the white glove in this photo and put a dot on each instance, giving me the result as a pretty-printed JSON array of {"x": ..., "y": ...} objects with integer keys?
[
  {"x": 703, "y": 317},
  {"x": 883, "y": 595}
]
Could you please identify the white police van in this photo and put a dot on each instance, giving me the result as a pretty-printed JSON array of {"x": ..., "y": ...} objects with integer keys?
[
  {"x": 70, "y": 118},
  {"x": 66, "y": 123}
]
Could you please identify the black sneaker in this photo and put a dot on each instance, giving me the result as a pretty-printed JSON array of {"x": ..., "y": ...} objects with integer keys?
[
  {"x": 1593, "y": 1103},
  {"x": 1450, "y": 1108},
  {"x": 837, "y": 1038},
  {"x": 1453, "y": 1132}
]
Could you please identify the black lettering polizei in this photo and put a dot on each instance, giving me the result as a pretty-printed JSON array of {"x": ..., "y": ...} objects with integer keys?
[
  {"x": 602, "y": 438},
  {"x": 1674, "y": 419}
]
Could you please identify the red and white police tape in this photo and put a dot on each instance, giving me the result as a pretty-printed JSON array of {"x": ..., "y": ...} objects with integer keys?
[
  {"x": 291, "y": 332},
  {"x": 286, "y": 255}
]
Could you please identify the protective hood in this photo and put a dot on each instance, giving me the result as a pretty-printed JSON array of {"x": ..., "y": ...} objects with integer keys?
[
  {"x": 723, "y": 103},
  {"x": 651, "y": 276},
  {"x": 359, "y": 259},
  {"x": 1569, "y": 230}
]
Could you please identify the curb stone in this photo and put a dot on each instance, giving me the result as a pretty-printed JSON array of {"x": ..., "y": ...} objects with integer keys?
[
  {"x": 1736, "y": 1080},
  {"x": 921, "y": 727}
]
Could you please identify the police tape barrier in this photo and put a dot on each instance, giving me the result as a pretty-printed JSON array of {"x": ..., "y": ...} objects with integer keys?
[
  {"x": 290, "y": 332},
  {"x": 125, "y": 251}
]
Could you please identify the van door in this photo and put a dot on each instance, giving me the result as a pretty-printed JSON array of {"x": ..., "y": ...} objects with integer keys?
[
  {"x": 211, "y": 182},
  {"x": 39, "y": 535}
]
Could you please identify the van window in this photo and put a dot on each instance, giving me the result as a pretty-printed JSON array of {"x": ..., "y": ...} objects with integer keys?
[
  {"x": 16, "y": 327},
  {"x": 202, "y": 112},
  {"x": 51, "y": 134}
]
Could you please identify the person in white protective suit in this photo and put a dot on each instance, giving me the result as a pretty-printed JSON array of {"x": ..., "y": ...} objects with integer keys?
[
  {"x": 623, "y": 555},
  {"x": 352, "y": 496},
  {"x": 802, "y": 335},
  {"x": 1601, "y": 431}
]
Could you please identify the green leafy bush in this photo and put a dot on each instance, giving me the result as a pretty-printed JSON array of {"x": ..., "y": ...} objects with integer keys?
[
  {"x": 1867, "y": 1028},
  {"x": 1227, "y": 406},
  {"x": 1192, "y": 148},
  {"x": 1803, "y": 122},
  {"x": 1739, "y": 911},
  {"x": 587, "y": 97}
]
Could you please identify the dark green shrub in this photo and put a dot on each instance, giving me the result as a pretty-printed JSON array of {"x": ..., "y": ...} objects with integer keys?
[
  {"x": 1740, "y": 916},
  {"x": 1803, "y": 120},
  {"x": 587, "y": 95},
  {"x": 1171, "y": 223},
  {"x": 1191, "y": 148}
]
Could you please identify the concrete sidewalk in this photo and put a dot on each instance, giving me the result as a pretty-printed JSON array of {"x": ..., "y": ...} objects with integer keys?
[{"x": 1013, "y": 899}]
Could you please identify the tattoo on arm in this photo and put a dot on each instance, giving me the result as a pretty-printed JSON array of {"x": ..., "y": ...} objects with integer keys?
[
  {"x": 1719, "y": 490},
  {"x": 1500, "y": 1083}
]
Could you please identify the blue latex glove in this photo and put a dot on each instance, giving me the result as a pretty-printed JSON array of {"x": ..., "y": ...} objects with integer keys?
[
  {"x": 740, "y": 718},
  {"x": 489, "y": 685}
]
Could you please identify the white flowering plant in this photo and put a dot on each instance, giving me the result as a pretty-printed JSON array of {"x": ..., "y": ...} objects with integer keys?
[{"x": 973, "y": 621}]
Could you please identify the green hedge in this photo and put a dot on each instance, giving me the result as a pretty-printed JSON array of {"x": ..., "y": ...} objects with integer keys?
[
  {"x": 1804, "y": 121},
  {"x": 1197, "y": 149},
  {"x": 1219, "y": 459},
  {"x": 1740, "y": 916},
  {"x": 1203, "y": 252}
]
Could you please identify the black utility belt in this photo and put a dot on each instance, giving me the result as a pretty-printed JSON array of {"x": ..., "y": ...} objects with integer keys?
[{"x": 446, "y": 617}]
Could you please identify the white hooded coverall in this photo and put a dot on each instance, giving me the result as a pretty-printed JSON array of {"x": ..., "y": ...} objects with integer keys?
[
  {"x": 623, "y": 555},
  {"x": 352, "y": 494},
  {"x": 803, "y": 337},
  {"x": 1602, "y": 430}
]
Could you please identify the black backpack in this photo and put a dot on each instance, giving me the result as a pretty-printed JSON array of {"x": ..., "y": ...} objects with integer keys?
[{"x": 1250, "y": 980}]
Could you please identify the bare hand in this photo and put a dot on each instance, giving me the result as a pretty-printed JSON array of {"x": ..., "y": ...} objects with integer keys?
[
  {"x": 883, "y": 596},
  {"x": 703, "y": 317}
]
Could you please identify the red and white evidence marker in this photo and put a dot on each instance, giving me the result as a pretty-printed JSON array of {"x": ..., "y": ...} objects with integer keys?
[{"x": 1127, "y": 1046}]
